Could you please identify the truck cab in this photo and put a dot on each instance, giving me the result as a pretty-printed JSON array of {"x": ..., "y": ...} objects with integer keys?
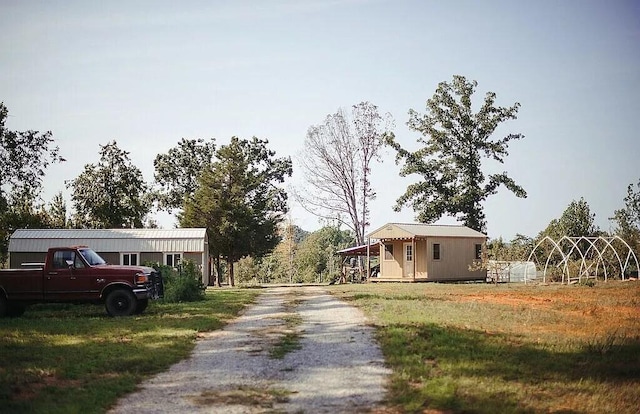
[{"x": 79, "y": 275}]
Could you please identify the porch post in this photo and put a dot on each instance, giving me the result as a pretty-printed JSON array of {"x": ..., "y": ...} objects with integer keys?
[
  {"x": 368, "y": 258},
  {"x": 413, "y": 252}
]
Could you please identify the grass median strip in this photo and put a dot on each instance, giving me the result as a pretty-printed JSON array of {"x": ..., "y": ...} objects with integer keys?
[{"x": 289, "y": 340}]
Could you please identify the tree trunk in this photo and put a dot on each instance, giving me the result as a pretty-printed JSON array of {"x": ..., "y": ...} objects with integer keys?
[
  {"x": 218, "y": 272},
  {"x": 231, "y": 276}
]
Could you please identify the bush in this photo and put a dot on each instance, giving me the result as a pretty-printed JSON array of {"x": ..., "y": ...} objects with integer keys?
[{"x": 184, "y": 284}]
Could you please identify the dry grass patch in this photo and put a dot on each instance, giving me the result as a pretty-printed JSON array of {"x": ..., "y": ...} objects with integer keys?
[{"x": 507, "y": 348}]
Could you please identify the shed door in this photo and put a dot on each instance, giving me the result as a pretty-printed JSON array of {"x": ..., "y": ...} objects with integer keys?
[{"x": 408, "y": 259}]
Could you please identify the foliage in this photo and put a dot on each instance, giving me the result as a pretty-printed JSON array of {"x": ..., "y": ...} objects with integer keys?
[
  {"x": 110, "y": 194},
  {"x": 58, "y": 212},
  {"x": 336, "y": 164},
  {"x": 75, "y": 359},
  {"x": 24, "y": 158},
  {"x": 177, "y": 171},
  {"x": 627, "y": 219},
  {"x": 183, "y": 284},
  {"x": 248, "y": 271},
  {"x": 239, "y": 201},
  {"x": 316, "y": 258},
  {"x": 455, "y": 140}
]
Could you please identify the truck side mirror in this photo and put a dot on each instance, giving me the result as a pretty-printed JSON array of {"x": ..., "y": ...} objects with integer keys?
[{"x": 69, "y": 263}]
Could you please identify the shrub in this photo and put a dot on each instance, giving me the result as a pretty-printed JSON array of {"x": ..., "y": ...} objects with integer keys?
[{"x": 184, "y": 284}]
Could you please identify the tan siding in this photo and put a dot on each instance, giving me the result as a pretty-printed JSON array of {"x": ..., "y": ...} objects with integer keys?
[
  {"x": 456, "y": 255},
  {"x": 392, "y": 268},
  {"x": 421, "y": 258}
]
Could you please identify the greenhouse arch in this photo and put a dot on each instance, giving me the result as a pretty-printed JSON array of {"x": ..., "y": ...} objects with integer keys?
[{"x": 583, "y": 258}]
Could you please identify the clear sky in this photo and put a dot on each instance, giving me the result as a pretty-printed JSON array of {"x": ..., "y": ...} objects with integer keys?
[{"x": 147, "y": 73}]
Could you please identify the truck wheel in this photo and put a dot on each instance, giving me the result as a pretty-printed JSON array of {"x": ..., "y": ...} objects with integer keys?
[
  {"x": 142, "y": 305},
  {"x": 3, "y": 305},
  {"x": 120, "y": 302}
]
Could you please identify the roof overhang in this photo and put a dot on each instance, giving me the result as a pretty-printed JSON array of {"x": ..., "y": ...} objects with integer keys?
[{"x": 374, "y": 250}]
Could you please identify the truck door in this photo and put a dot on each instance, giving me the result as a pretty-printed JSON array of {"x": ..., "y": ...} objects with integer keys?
[{"x": 68, "y": 277}]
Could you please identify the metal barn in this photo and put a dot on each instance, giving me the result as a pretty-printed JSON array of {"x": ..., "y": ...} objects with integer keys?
[{"x": 116, "y": 246}]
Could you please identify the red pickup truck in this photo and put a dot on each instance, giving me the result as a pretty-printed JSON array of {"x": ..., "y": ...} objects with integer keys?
[{"x": 79, "y": 275}]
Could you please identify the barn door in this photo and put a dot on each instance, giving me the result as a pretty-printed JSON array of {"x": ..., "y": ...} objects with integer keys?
[{"x": 408, "y": 260}]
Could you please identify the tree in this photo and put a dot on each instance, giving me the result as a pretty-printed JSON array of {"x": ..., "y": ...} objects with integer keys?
[
  {"x": 24, "y": 158},
  {"x": 239, "y": 201},
  {"x": 455, "y": 140},
  {"x": 627, "y": 219},
  {"x": 58, "y": 212},
  {"x": 110, "y": 194},
  {"x": 336, "y": 163},
  {"x": 576, "y": 220},
  {"x": 177, "y": 171},
  {"x": 316, "y": 258}
]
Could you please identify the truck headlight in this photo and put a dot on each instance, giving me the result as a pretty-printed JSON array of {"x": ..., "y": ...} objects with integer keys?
[{"x": 141, "y": 278}]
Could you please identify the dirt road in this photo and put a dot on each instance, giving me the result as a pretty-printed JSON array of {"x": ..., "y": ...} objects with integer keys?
[{"x": 297, "y": 350}]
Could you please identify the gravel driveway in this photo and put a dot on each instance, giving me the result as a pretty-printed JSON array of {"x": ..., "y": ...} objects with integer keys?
[{"x": 247, "y": 367}]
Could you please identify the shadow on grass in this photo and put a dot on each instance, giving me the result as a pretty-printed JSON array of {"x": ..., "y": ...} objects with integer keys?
[
  {"x": 74, "y": 358},
  {"x": 463, "y": 370}
]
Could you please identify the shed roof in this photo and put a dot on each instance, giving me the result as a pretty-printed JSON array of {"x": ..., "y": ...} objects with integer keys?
[
  {"x": 411, "y": 230},
  {"x": 111, "y": 240}
]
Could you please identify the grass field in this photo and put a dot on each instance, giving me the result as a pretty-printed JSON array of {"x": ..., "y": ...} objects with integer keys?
[
  {"x": 509, "y": 348},
  {"x": 75, "y": 359}
]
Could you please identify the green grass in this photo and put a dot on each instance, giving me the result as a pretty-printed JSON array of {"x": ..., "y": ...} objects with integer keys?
[
  {"x": 508, "y": 348},
  {"x": 75, "y": 359},
  {"x": 289, "y": 340}
]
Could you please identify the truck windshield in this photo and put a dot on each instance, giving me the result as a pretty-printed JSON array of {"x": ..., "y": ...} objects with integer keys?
[{"x": 92, "y": 257}]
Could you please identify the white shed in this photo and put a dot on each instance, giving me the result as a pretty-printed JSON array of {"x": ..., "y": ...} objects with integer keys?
[{"x": 118, "y": 246}]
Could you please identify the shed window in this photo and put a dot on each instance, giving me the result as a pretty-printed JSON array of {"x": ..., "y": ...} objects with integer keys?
[
  {"x": 172, "y": 259},
  {"x": 388, "y": 252},
  {"x": 478, "y": 251},
  {"x": 129, "y": 259},
  {"x": 436, "y": 251}
]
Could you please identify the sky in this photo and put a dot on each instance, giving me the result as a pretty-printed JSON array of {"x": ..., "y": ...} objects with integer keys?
[{"x": 148, "y": 73}]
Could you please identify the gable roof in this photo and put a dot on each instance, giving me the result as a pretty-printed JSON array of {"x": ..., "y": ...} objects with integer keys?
[
  {"x": 411, "y": 230},
  {"x": 111, "y": 240}
]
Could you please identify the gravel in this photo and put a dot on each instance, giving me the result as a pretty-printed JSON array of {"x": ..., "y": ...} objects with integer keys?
[{"x": 337, "y": 368}]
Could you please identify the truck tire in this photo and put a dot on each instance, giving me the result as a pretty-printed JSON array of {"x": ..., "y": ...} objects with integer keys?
[
  {"x": 142, "y": 305},
  {"x": 120, "y": 302}
]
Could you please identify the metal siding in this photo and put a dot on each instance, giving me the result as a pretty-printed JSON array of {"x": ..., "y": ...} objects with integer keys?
[{"x": 118, "y": 240}]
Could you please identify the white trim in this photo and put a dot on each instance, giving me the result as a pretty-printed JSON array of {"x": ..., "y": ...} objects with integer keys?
[{"x": 122, "y": 254}]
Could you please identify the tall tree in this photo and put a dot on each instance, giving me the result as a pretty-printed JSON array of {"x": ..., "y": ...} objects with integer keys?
[
  {"x": 24, "y": 158},
  {"x": 239, "y": 201},
  {"x": 111, "y": 193},
  {"x": 336, "y": 163},
  {"x": 455, "y": 141},
  {"x": 58, "y": 211},
  {"x": 176, "y": 172},
  {"x": 627, "y": 219}
]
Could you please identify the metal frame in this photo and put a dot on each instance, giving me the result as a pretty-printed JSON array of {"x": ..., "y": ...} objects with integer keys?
[{"x": 597, "y": 246}]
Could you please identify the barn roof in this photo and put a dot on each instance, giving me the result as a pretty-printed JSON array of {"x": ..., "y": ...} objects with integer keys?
[
  {"x": 111, "y": 240},
  {"x": 411, "y": 230}
]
